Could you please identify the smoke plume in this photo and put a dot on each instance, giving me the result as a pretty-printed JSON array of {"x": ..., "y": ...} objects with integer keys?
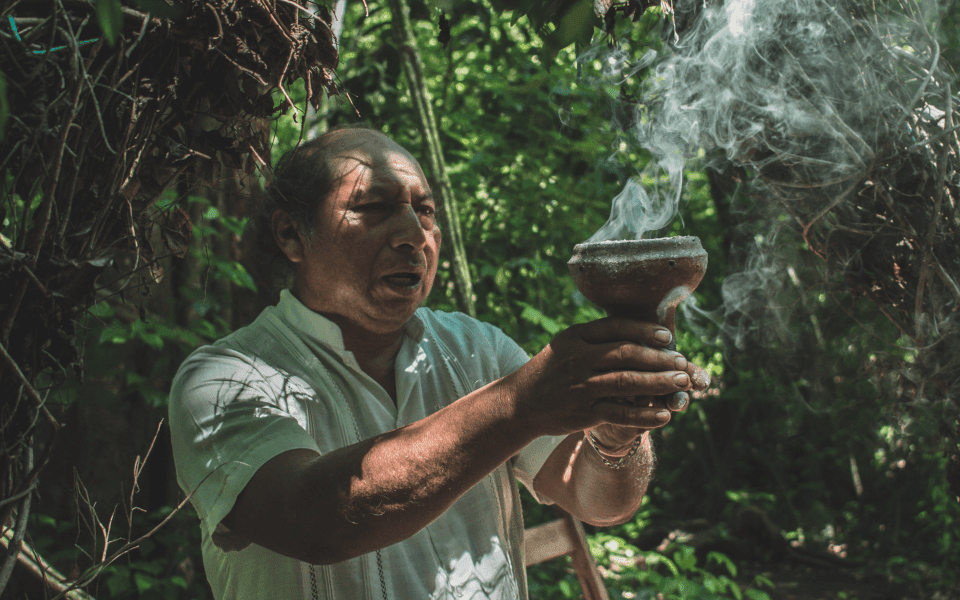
[{"x": 838, "y": 121}]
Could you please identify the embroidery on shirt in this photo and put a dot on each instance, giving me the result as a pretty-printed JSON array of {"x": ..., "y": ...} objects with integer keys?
[{"x": 314, "y": 586}]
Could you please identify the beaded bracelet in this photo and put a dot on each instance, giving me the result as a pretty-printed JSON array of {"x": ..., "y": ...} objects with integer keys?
[{"x": 623, "y": 459}]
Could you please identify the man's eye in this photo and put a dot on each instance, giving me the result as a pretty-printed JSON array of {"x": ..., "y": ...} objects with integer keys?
[{"x": 427, "y": 210}]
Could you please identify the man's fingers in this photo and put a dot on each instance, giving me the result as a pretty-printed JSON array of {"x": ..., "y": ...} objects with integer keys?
[
  {"x": 616, "y": 329},
  {"x": 637, "y": 383},
  {"x": 698, "y": 377},
  {"x": 620, "y": 356},
  {"x": 615, "y": 413},
  {"x": 678, "y": 402}
]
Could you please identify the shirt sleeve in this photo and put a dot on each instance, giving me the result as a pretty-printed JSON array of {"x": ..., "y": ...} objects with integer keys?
[
  {"x": 527, "y": 463},
  {"x": 230, "y": 414}
]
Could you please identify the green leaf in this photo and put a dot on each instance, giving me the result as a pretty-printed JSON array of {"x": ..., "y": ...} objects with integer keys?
[
  {"x": 147, "y": 334},
  {"x": 732, "y": 586},
  {"x": 206, "y": 329},
  {"x": 153, "y": 340},
  {"x": 722, "y": 559},
  {"x": 154, "y": 397},
  {"x": 241, "y": 278},
  {"x": 538, "y": 318},
  {"x": 167, "y": 333},
  {"x": 110, "y": 18},
  {"x": 148, "y": 566},
  {"x": 118, "y": 582},
  {"x": 45, "y": 520},
  {"x": 102, "y": 310},
  {"x": 685, "y": 558},
  {"x": 234, "y": 225},
  {"x": 115, "y": 332},
  {"x": 144, "y": 582},
  {"x": 761, "y": 580},
  {"x": 654, "y": 558},
  {"x": 576, "y": 26}
]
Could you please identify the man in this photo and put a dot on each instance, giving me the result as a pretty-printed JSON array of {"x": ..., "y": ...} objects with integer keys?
[{"x": 350, "y": 444}]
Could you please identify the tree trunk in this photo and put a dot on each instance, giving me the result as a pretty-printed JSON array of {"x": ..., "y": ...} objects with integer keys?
[{"x": 449, "y": 219}]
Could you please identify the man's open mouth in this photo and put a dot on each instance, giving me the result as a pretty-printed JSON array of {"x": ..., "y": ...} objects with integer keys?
[{"x": 407, "y": 280}]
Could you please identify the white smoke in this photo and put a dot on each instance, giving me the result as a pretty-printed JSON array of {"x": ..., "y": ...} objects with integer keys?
[{"x": 777, "y": 86}]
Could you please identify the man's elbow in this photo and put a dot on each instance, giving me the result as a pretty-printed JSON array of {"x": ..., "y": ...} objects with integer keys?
[
  {"x": 609, "y": 513},
  {"x": 608, "y": 520}
]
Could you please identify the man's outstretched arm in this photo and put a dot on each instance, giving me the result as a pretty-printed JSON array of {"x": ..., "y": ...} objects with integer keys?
[{"x": 332, "y": 507}]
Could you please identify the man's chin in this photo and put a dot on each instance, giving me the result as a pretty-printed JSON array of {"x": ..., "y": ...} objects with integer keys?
[{"x": 398, "y": 308}]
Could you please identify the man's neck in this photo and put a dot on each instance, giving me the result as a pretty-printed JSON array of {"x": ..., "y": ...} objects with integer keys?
[{"x": 376, "y": 353}]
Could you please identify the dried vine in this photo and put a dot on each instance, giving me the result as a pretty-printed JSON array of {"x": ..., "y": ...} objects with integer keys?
[{"x": 95, "y": 136}]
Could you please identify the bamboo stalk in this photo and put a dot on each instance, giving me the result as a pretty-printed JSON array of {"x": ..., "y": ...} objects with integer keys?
[{"x": 413, "y": 70}]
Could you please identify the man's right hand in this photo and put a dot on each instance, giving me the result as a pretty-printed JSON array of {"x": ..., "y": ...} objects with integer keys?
[{"x": 573, "y": 384}]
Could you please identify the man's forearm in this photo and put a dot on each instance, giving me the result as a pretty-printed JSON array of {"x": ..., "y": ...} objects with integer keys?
[
  {"x": 380, "y": 491},
  {"x": 577, "y": 479}
]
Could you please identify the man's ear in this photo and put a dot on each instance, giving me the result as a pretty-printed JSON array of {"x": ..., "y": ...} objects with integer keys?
[{"x": 287, "y": 235}]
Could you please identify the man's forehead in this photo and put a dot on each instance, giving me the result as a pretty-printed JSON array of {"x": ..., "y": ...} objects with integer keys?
[
  {"x": 352, "y": 142},
  {"x": 369, "y": 149}
]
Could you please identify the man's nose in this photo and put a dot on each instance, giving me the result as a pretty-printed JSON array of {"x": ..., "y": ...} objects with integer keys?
[{"x": 408, "y": 231}]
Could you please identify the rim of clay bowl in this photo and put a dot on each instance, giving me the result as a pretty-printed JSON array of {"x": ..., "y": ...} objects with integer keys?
[{"x": 677, "y": 246}]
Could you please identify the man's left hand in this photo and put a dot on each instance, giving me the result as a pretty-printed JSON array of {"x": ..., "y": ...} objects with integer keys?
[{"x": 616, "y": 440}]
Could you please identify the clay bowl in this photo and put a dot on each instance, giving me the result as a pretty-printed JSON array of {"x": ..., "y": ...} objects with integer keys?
[{"x": 640, "y": 279}]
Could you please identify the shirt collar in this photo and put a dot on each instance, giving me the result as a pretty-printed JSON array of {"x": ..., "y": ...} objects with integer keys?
[{"x": 313, "y": 328}]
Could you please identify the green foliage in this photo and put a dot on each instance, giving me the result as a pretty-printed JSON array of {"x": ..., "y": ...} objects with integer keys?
[
  {"x": 164, "y": 567},
  {"x": 114, "y": 333},
  {"x": 573, "y": 24},
  {"x": 558, "y": 24},
  {"x": 535, "y": 158},
  {"x": 110, "y": 18},
  {"x": 633, "y": 573}
]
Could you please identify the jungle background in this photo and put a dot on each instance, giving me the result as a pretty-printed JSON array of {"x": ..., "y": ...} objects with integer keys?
[{"x": 798, "y": 474}]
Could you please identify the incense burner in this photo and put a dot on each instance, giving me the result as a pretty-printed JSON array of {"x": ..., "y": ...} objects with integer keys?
[{"x": 640, "y": 279}]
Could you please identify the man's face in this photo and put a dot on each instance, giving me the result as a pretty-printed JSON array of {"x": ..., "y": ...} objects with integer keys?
[{"x": 373, "y": 255}]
